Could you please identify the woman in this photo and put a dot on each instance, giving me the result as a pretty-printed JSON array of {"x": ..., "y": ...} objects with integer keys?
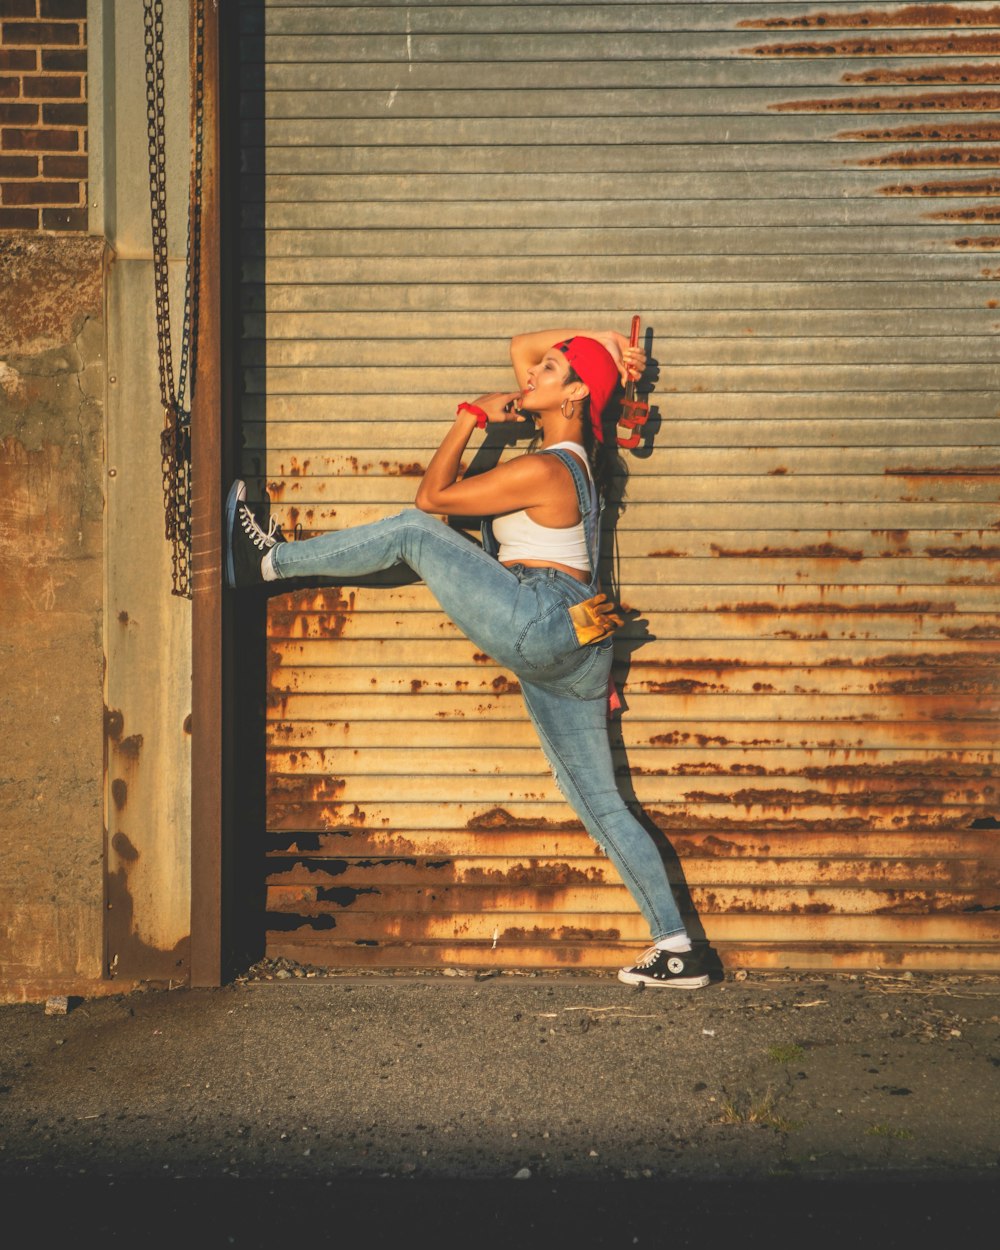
[{"x": 529, "y": 597}]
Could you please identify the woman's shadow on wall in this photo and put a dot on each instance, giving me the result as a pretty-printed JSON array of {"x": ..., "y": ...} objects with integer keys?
[{"x": 629, "y": 641}]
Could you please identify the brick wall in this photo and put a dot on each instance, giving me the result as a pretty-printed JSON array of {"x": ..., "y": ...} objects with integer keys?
[{"x": 43, "y": 115}]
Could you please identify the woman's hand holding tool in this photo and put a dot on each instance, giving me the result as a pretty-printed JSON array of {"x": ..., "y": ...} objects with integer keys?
[{"x": 634, "y": 411}]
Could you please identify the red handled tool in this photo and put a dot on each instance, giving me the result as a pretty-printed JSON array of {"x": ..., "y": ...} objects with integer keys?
[{"x": 635, "y": 412}]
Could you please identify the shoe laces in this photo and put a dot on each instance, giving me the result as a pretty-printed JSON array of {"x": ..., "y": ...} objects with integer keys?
[
  {"x": 647, "y": 958},
  {"x": 253, "y": 531}
]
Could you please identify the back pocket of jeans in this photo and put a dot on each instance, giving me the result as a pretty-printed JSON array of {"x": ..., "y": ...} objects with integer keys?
[{"x": 547, "y": 639}]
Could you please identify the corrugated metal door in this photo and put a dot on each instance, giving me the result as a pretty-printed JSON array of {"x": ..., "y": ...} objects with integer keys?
[{"x": 802, "y": 205}]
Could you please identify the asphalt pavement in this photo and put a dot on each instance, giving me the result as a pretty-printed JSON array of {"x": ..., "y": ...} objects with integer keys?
[{"x": 508, "y": 1110}]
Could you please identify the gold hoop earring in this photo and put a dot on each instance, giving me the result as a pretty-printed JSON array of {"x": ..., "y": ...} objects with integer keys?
[{"x": 572, "y": 406}]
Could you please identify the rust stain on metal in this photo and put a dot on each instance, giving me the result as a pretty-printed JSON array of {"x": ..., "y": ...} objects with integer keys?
[
  {"x": 306, "y": 789},
  {"x": 910, "y": 607},
  {"x": 704, "y": 768},
  {"x": 716, "y": 665},
  {"x": 681, "y": 737},
  {"x": 541, "y": 873},
  {"x": 128, "y": 949},
  {"x": 131, "y": 747},
  {"x": 910, "y": 659},
  {"x": 927, "y": 102},
  {"x": 114, "y": 723},
  {"x": 682, "y": 685},
  {"x": 331, "y": 607},
  {"x": 785, "y": 800},
  {"x": 668, "y": 554},
  {"x": 964, "y": 553},
  {"x": 972, "y": 632},
  {"x": 748, "y": 907},
  {"x": 934, "y": 132},
  {"x": 930, "y": 75},
  {"x": 970, "y": 186},
  {"x": 964, "y": 470},
  {"x": 918, "y": 903},
  {"x": 565, "y": 933},
  {"x": 941, "y": 768},
  {"x": 939, "y": 684},
  {"x": 505, "y": 685},
  {"x": 812, "y": 551},
  {"x": 905, "y": 15},
  {"x": 931, "y": 157},
  {"x": 413, "y": 469},
  {"x": 888, "y": 45},
  {"x": 119, "y": 792},
  {"x": 499, "y": 819},
  {"x": 670, "y": 822},
  {"x": 860, "y": 772},
  {"x": 124, "y": 848},
  {"x": 329, "y": 817}
]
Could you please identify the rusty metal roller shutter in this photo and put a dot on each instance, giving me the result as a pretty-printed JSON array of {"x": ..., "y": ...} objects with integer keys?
[{"x": 802, "y": 202}]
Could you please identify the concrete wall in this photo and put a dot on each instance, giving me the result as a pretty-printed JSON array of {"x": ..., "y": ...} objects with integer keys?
[
  {"x": 52, "y": 568},
  {"x": 95, "y": 701},
  {"x": 52, "y": 381}
]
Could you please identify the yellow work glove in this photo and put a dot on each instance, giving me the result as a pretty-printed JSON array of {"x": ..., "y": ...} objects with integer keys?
[{"x": 594, "y": 619}]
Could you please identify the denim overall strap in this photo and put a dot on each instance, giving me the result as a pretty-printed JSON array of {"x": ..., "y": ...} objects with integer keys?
[{"x": 590, "y": 515}]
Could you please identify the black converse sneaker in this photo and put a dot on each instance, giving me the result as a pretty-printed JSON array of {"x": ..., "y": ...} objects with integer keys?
[
  {"x": 681, "y": 969},
  {"x": 247, "y": 542}
]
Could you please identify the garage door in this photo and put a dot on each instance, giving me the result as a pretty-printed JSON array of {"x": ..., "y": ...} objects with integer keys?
[{"x": 801, "y": 202}]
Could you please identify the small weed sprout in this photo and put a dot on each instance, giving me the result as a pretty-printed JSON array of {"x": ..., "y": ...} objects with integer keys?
[
  {"x": 751, "y": 1110},
  {"x": 886, "y": 1130},
  {"x": 785, "y": 1054}
]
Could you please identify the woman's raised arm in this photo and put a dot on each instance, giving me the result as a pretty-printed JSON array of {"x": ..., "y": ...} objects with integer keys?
[{"x": 528, "y": 349}]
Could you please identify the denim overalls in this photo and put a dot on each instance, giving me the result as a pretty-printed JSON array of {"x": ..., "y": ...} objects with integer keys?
[{"x": 521, "y": 618}]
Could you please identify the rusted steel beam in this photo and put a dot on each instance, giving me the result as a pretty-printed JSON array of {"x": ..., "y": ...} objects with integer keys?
[{"x": 206, "y": 544}]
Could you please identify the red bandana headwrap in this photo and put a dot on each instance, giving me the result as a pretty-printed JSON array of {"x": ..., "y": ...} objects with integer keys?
[{"x": 596, "y": 368}]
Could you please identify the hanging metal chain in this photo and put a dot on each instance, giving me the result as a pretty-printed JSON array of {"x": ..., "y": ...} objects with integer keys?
[{"x": 175, "y": 440}]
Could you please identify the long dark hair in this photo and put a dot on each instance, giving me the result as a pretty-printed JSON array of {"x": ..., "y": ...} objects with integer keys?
[{"x": 609, "y": 469}]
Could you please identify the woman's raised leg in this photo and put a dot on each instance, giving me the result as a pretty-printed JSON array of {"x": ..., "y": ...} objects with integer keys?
[{"x": 473, "y": 589}]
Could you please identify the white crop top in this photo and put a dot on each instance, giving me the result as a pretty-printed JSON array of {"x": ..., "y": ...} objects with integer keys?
[{"x": 521, "y": 538}]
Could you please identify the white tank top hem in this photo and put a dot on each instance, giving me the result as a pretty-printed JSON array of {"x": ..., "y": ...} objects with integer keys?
[{"x": 521, "y": 538}]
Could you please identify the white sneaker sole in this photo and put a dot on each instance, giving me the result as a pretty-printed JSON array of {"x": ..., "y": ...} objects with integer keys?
[{"x": 237, "y": 493}]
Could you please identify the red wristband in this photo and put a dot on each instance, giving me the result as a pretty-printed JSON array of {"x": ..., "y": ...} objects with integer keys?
[{"x": 477, "y": 412}]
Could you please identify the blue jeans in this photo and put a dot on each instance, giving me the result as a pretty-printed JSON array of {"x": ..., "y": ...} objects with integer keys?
[{"x": 519, "y": 617}]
